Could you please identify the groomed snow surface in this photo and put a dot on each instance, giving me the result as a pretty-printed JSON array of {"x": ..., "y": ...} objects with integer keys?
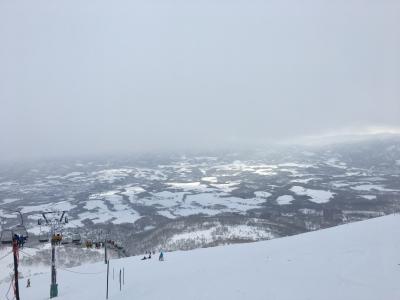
[{"x": 353, "y": 261}]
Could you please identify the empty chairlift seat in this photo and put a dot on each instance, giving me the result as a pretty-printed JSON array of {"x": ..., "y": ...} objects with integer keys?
[
  {"x": 76, "y": 238},
  {"x": 66, "y": 240},
  {"x": 43, "y": 237},
  {"x": 6, "y": 236}
]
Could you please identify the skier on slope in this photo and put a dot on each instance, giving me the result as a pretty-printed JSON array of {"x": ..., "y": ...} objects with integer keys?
[{"x": 161, "y": 257}]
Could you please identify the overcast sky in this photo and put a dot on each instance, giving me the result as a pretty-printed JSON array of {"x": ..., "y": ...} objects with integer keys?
[{"x": 79, "y": 77}]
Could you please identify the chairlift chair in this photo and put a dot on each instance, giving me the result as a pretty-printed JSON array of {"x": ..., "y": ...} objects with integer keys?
[
  {"x": 21, "y": 231},
  {"x": 76, "y": 238},
  {"x": 43, "y": 237},
  {"x": 6, "y": 236},
  {"x": 89, "y": 244},
  {"x": 118, "y": 245},
  {"x": 66, "y": 240},
  {"x": 56, "y": 238}
]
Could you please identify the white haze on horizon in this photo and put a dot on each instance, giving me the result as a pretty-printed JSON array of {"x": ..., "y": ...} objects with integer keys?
[{"x": 94, "y": 77}]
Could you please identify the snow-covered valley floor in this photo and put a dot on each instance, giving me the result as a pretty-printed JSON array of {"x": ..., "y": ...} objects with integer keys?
[{"x": 353, "y": 261}]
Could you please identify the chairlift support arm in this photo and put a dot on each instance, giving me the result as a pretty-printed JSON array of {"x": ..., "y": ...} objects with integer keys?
[{"x": 62, "y": 216}]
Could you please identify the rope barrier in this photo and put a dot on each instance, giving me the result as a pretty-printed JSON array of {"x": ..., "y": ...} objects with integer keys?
[{"x": 83, "y": 273}]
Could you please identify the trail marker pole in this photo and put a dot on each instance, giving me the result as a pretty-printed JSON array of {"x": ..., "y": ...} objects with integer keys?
[
  {"x": 105, "y": 252},
  {"x": 120, "y": 279},
  {"x": 123, "y": 276},
  {"x": 108, "y": 270}
]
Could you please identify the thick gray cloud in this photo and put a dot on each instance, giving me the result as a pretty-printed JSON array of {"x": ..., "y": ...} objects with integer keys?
[{"x": 103, "y": 76}]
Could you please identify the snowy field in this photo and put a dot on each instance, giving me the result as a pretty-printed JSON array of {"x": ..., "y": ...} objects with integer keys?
[
  {"x": 354, "y": 261},
  {"x": 316, "y": 196},
  {"x": 153, "y": 191}
]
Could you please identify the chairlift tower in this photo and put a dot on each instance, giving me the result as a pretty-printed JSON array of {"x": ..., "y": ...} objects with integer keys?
[
  {"x": 15, "y": 236},
  {"x": 105, "y": 239},
  {"x": 56, "y": 221}
]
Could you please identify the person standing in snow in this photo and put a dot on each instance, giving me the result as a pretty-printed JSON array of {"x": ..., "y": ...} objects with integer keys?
[
  {"x": 161, "y": 257},
  {"x": 28, "y": 283}
]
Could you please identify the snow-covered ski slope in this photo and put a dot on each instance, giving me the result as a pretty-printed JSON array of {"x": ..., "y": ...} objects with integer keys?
[{"x": 354, "y": 261}]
